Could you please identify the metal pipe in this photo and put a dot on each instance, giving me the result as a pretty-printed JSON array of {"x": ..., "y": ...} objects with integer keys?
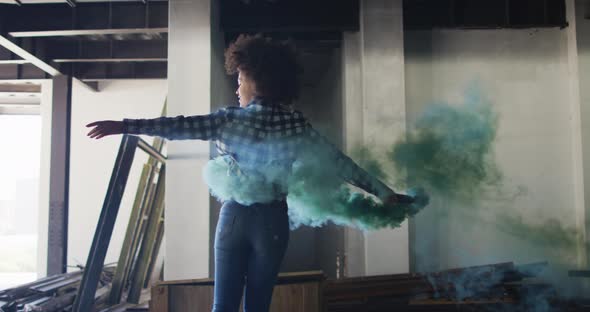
[{"x": 151, "y": 151}]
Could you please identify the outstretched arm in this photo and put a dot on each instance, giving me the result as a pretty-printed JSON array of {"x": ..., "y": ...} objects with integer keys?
[
  {"x": 201, "y": 127},
  {"x": 353, "y": 173}
]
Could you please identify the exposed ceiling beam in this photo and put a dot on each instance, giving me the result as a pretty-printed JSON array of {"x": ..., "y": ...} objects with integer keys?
[
  {"x": 13, "y": 62},
  {"x": 110, "y": 60},
  {"x": 19, "y": 88},
  {"x": 101, "y": 49},
  {"x": 12, "y": 101},
  {"x": 19, "y": 110},
  {"x": 100, "y": 15},
  {"x": 25, "y": 55},
  {"x": 87, "y": 32},
  {"x": 19, "y": 95},
  {"x": 97, "y": 80},
  {"x": 22, "y": 81}
]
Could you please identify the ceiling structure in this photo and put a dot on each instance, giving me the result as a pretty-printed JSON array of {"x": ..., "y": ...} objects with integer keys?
[
  {"x": 95, "y": 40},
  {"x": 91, "y": 40},
  {"x": 18, "y": 98},
  {"x": 127, "y": 39}
]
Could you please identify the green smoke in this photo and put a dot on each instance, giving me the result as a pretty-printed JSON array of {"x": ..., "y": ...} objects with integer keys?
[
  {"x": 367, "y": 160},
  {"x": 316, "y": 193},
  {"x": 450, "y": 149},
  {"x": 549, "y": 233}
]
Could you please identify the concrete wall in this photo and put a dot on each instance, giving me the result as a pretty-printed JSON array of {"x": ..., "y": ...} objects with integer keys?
[
  {"x": 374, "y": 101},
  {"x": 223, "y": 89},
  {"x": 187, "y": 196},
  {"x": 320, "y": 101},
  {"x": 525, "y": 74},
  {"x": 583, "y": 53},
  {"x": 92, "y": 161}
]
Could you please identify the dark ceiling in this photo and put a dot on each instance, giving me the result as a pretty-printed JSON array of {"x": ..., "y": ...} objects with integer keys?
[
  {"x": 96, "y": 40},
  {"x": 99, "y": 40}
]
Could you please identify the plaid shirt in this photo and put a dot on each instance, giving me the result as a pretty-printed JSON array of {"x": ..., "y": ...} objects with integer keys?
[{"x": 257, "y": 134}]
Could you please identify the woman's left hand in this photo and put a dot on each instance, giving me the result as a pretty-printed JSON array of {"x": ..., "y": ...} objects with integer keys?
[{"x": 104, "y": 128}]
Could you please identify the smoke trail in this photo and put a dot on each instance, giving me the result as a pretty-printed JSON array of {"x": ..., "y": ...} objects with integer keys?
[
  {"x": 365, "y": 158},
  {"x": 548, "y": 233},
  {"x": 449, "y": 149},
  {"x": 316, "y": 193}
]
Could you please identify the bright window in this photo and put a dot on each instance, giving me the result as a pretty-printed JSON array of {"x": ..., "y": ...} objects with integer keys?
[{"x": 20, "y": 152}]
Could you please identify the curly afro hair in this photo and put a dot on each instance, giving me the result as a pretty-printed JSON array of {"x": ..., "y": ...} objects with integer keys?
[{"x": 272, "y": 65}]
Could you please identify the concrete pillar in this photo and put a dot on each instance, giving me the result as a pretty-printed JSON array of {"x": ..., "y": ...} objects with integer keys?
[
  {"x": 579, "y": 39},
  {"x": 577, "y": 143},
  {"x": 59, "y": 175},
  {"x": 375, "y": 117},
  {"x": 44, "y": 177},
  {"x": 189, "y": 92}
]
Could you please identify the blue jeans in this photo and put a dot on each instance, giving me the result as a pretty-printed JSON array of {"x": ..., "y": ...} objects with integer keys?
[{"x": 250, "y": 242}]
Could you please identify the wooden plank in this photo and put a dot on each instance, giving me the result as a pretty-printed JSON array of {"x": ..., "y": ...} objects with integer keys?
[
  {"x": 288, "y": 298},
  {"x": 312, "y": 297},
  {"x": 188, "y": 298},
  {"x": 159, "y": 299},
  {"x": 289, "y": 277},
  {"x": 300, "y": 297}
]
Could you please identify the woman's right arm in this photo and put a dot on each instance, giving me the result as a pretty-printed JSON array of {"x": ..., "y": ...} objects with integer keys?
[
  {"x": 353, "y": 173},
  {"x": 199, "y": 127}
]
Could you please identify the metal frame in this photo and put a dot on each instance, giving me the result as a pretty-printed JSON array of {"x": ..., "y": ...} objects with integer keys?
[
  {"x": 95, "y": 262},
  {"x": 149, "y": 242},
  {"x": 85, "y": 300},
  {"x": 135, "y": 228}
]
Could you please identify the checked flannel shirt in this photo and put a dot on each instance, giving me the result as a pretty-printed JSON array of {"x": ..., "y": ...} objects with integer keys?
[{"x": 238, "y": 132}]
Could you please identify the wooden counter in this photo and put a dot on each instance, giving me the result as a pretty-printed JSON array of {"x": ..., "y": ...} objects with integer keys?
[{"x": 294, "y": 292}]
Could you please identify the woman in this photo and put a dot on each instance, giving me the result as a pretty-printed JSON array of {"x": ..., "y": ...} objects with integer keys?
[{"x": 253, "y": 228}]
